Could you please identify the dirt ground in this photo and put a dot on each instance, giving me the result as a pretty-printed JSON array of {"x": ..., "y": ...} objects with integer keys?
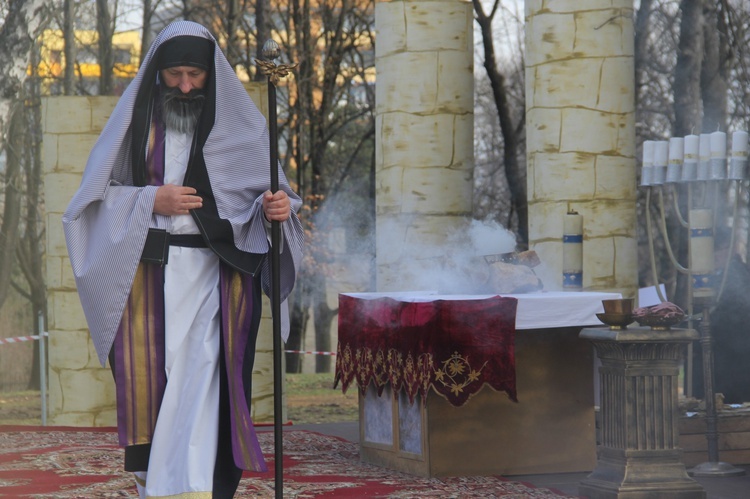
[{"x": 310, "y": 398}]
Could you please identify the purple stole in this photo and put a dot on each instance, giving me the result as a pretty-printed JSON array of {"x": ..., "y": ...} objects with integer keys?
[{"x": 140, "y": 376}]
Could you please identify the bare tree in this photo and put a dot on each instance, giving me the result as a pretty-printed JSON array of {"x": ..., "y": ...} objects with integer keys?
[
  {"x": 105, "y": 28},
  {"x": 687, "y": 81},
  {"x": 13, "y": 191},
  {"x": 331, "y": 95},
  {"x": 686, "y": 90},
  {"x": 514, "y": 171},
  {"x": 149, "y": 8},
  {"x": 715, "y": 67},
  {"x": 69, "y": 49},
  {"x": 31, "y": 248},
  {"x": 263, "y": 30},
  {"x": 642, "y": 30},
  {"x": 23, "y": 21}
]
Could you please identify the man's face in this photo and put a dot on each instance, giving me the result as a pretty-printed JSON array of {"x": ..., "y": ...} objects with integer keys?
[
  {"x": 183, "y": 97},
  {"x": 186, "y": 78}
]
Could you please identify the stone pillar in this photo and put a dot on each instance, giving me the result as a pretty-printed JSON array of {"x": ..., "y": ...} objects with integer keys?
[
  {"x": 580, "y": 125},
  {"x": 424, "y": 133},
  {"x": 639, "y": 455},
  {"x": 81, "y": 392}
]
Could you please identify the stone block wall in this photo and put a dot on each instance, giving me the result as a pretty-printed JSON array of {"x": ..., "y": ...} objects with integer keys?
[
  {"x": 81, "y": 391},
  {"x": 580, "y": 124}
]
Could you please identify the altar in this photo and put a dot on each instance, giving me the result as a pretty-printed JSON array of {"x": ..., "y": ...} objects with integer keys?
[{"x": 472, "y": 384}]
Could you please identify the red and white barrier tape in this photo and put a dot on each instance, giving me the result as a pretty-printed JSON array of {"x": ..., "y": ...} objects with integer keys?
[
  {"x": 19, "y": 339},
  {"x": 309, "y": 353}
]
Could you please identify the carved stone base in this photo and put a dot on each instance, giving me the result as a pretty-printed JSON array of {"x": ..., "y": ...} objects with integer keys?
[
  {"x": 639, "y": 455},
  {"x": 649, "y": 474}
]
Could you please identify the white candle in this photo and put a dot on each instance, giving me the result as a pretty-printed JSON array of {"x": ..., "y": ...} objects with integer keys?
[
  {"x": 738, "y": 163},
  {"x": 718, "y": 156},
  {"x": 739, "y": 143},
  {"x": 648, "y": 153},
  {"x": 691, "y": 147},
  {"x": 704, "y": 156},
  {"x": 648, "y": 162},
  {"x": 661, "y": 153},
  {"x": 718, "y": 145},
  {"x": 676, "y": 149},
  {"x": 690, "y": 159},
  {"x": 676, "y": 153},
  {"x": 701, "y": 251},
  {"x": 572, "y": 251}
]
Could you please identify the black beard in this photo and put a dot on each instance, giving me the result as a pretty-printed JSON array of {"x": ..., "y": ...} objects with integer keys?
[{"x": 181, "y": 111}]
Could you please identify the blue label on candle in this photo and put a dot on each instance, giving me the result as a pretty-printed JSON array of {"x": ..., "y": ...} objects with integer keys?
[
  {"x": 572, "y": 279},
  {"x": 572, "y": 238},
  {"x": 701, "y": 281},
  {"x": 702, "y": 232}
]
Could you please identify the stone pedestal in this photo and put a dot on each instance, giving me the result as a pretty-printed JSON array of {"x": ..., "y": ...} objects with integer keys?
[{"x": 638, "y": 456}]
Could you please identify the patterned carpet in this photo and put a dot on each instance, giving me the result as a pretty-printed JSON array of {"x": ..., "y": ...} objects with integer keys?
[{"x": 65, "y": 463}]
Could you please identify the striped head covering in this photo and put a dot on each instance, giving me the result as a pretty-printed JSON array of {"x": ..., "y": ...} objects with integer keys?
[{"x": 109, "y": 216}]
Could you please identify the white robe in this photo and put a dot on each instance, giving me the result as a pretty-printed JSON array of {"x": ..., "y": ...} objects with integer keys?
[{"x": 183, "y": 449}]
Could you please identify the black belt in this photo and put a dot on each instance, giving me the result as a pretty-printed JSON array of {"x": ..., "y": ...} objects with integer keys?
[
  {"x": 187, "y": 240},
  {"x": 158, "y": 241}
]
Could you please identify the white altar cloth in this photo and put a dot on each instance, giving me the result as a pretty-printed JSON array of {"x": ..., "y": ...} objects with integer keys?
[{"x": 540, "y": 310}]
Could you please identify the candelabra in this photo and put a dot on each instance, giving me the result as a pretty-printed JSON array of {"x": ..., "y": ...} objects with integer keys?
[{"x": 697, "y": 166}]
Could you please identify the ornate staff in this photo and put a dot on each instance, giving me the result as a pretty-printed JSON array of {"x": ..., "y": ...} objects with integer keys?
[{"x": 271, "y": 51}]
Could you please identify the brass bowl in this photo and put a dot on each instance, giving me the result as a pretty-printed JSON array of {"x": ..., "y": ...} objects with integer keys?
[
  {"x": 616, "y": 321},
  {"x": 618, "y": 306}
]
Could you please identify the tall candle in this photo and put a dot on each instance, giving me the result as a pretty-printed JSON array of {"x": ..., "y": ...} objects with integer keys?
[
  {"x": 718, "y": 145},
  {"x": 661, "y": 153},
  {"x": 740, "y": 142},
  {"x": 572, "y": 251},
  {"x": 676, "y": 154},
  {"x": 701, "y": 251},
  {"x": 738, "y": 161},
  {"x": 690, "y": 158},
  {"x": 704, "y": 156},
  {"x": 648, "y": 163},
  {"x": 718, "y": 169}
]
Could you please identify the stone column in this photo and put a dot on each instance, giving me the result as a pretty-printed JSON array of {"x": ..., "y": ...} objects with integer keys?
[
  {"x": 81, "y": 392},
  {"x": 580, "y": 125},
  {"x": 424, "y": 133}
]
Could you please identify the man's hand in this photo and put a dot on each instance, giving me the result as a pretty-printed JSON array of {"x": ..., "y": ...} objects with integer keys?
[
  {"x": 276, "y": 206},
  {"x": 176, "y": 200}
]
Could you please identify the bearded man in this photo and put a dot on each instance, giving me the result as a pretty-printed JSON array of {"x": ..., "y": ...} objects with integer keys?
[{"x": 167, "y": 236}]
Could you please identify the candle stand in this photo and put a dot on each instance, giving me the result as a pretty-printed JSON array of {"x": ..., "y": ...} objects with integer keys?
[{"x": 697, "y": 166}]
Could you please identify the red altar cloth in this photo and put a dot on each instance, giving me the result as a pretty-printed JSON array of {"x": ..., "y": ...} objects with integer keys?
[{"x": 451, "y": 346}]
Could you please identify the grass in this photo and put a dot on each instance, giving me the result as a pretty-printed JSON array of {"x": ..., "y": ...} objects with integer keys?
[
  {"x": 20, "y": 408},
  {"x": 310, "y": 398}
]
